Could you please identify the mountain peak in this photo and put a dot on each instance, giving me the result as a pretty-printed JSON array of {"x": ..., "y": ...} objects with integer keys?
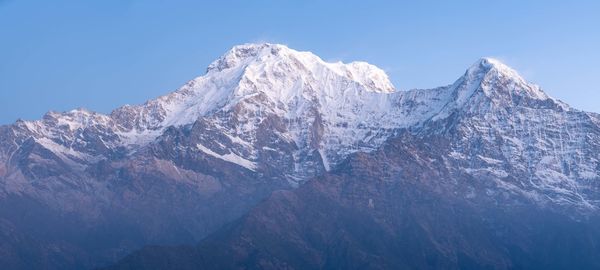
[
  {"x": 244, "y": 53},
  {"x": 268, "y": 55},
  {"x": 493, "y": 75},
  {"x": 487, "y": 64}
]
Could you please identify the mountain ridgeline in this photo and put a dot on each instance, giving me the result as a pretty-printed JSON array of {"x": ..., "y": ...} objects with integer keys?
[{"x": 276, "y": 159}]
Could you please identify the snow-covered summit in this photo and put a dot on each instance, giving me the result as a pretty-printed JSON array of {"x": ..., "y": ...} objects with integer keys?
[
  {"x": 490, "y": 71},
  {"x": 252, "y": 54},
  {"x": 487, "y": 64},
  {"x": 268, "y": 79}
]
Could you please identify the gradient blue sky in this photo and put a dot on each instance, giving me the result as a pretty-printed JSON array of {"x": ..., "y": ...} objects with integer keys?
[{"x": 58, "y": 55}]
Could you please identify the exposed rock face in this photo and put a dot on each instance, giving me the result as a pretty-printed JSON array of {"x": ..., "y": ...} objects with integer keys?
[
  {"x": 530, "y": 144},
  {"x": 400, "y": 207},
  {"x": 264, "y": 118}
]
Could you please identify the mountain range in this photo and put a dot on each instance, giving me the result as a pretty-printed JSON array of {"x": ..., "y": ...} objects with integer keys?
[{"x": 276, "y": 159}]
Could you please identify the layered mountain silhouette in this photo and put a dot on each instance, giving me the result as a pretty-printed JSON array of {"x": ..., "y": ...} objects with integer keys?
[{"x": 276, "y": 159}]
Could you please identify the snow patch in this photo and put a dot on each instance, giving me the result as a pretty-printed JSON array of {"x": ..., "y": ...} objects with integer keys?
[
  {"x": 229, "y": 157},
  {"x": 324, "y": 159}
]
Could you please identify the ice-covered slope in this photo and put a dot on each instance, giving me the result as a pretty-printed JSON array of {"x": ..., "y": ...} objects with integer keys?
[
  {"x": 282, "y": 79},
  {"x": 321, "y": 106}
]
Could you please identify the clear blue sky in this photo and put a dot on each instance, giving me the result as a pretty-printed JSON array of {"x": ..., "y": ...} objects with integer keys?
[{"x": 58, "y": 55}]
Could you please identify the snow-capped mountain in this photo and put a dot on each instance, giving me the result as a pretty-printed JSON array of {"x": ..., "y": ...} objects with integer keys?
[
  {"x": 265, "y": 117},
  {"x": 510, "y": 132},
  {"x": 257, "y": 96}
]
